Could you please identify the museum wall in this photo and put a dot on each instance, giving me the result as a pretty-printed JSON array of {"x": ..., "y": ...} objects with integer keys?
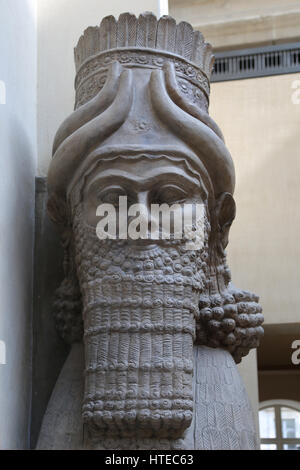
[
  {"x": 260, "y": 119},
  {"x": 17, "y": 192},
  {"x": 234, "y": 24}
]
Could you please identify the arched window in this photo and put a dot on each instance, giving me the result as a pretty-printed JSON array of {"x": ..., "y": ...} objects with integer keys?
[{"x": 279, "y": 425}]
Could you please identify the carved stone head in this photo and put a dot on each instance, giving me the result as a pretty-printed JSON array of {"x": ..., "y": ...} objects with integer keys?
[{"x": 141, "y": 129}]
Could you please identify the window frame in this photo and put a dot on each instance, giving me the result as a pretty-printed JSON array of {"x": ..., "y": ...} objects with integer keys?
[{"x": 279, "y": 440}]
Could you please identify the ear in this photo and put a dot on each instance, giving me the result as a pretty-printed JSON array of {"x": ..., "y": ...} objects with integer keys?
[{"x": 225, "y": 213}]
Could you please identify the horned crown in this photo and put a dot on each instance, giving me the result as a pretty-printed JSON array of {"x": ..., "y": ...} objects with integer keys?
[{"x": 145, "y": 32}]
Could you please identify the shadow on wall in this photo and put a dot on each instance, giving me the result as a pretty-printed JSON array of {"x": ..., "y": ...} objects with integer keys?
[{"x": 49, "y": 351}]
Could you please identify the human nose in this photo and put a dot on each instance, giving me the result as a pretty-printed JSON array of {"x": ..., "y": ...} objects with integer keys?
[{"x": 144, "y": 200}]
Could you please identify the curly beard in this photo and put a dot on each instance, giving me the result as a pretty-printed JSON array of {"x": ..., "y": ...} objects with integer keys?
[{"x": 139, "y": 310}]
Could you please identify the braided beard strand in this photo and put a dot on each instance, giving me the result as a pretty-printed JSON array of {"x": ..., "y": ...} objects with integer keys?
[{"x": 139, "y": 328}]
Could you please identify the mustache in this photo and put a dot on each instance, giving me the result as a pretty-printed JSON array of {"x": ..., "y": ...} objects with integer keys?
[{"x": 139, "y": 311}]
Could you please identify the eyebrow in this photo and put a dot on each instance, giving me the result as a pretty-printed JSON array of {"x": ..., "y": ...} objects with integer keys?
[{"x": 108, "y": 176}]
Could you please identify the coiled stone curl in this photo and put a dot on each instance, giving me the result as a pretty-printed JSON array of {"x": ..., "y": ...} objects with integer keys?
[{"x": 232, "y": 321}]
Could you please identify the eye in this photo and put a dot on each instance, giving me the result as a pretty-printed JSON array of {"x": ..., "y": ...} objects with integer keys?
[
  {"x": 110, "y": 195},
  {"x": 169, "y": 194}
]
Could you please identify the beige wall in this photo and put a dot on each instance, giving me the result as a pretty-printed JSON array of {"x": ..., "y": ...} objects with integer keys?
[
  {"x": 60, "y": 24},
  {"x": 261, "y": 126},
  {"x": 241, "y": 23}
]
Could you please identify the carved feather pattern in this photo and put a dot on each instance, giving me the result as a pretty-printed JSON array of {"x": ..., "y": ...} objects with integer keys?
[
  {"x": 142, "y": 32},
  {"x": 166, "y": 34},
  {"x": 184, "y": 39},
  {"x": 78, "y": 53},
  {"x": 121, "y": 31},
  {"x": 108, "y": 33},
  {"x": 146, "y": 30},
  {"x": 208, "y": 58},
  {"x": 197, "y": 48},
  {"x": 126, "y": 30},
  {"x": 91, "y": 39}
]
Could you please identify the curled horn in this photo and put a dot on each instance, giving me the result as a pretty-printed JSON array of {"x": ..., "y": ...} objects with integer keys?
[
  {"x": 71, "y": 152},
  {"x": 190, "y": 108},
  {"x": 214, "y": 155},
  {"x": 91, "y": 109}
]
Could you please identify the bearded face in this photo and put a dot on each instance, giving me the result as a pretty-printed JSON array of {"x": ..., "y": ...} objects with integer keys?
[
  {"x": 140, "y": 301},
  {"x": 141, "y": 304}
]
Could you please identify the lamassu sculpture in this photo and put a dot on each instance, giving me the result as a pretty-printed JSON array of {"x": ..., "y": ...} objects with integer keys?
[{"x": 155, "y": 327}]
